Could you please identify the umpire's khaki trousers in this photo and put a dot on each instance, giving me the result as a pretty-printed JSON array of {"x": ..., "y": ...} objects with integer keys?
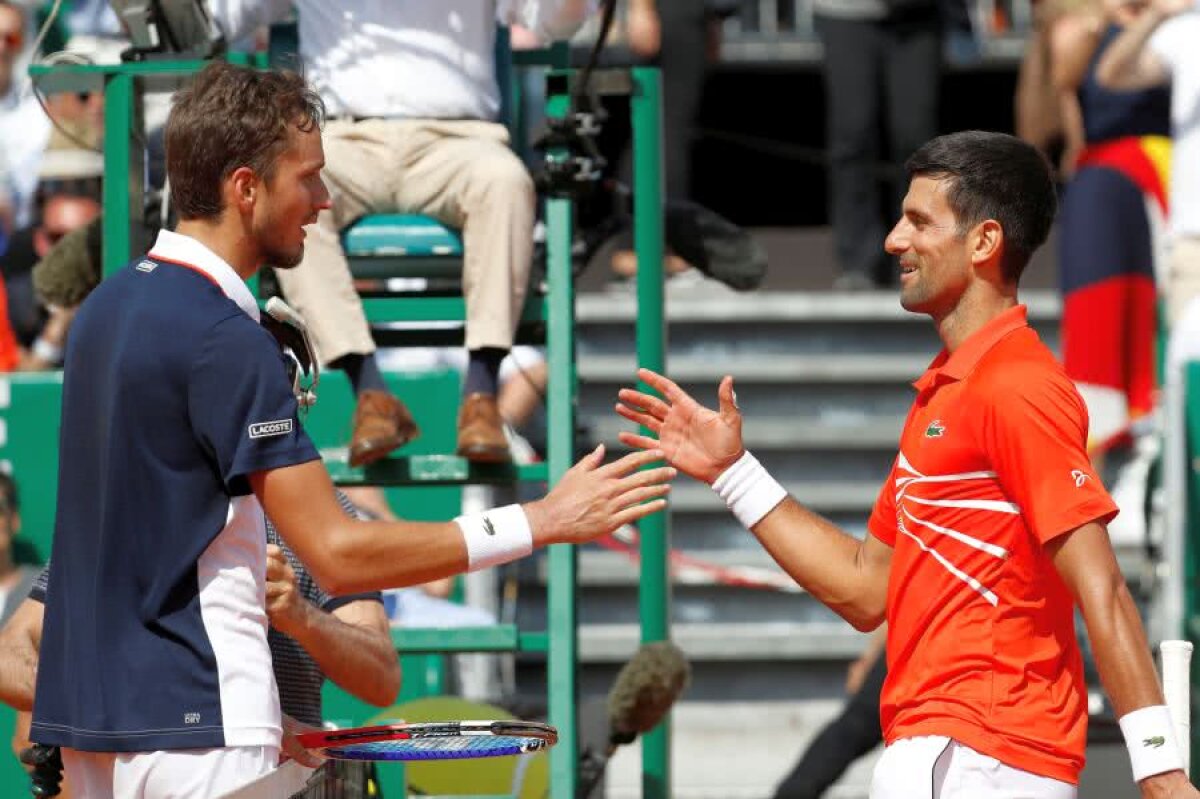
[{"x": 460, "y": 171}]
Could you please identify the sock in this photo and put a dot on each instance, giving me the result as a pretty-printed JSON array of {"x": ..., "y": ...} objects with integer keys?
[
  {"x": 363, "y": 371},
  {"x": 483, "y": 371}
]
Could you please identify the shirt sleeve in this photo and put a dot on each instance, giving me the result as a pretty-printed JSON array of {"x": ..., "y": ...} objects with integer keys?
[
  {"x": 1170, "y": 42},
  {"x": 241, "y": 403},
  {"x": 882, "y": 523},
  {"x": 1034, "y": 432}
]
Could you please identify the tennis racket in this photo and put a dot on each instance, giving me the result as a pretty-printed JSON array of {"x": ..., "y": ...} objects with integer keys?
[
  {"x": 1176, "y": 680},
  {"x": 448, "y": 740}
]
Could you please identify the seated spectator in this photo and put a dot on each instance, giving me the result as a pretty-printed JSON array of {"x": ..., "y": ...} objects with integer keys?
[
  {"x": 413, "y": 101},
  {"x": 1160, "y": 50},
  {"x": 15, "y": 580},
  {"x": 41, "y": 333},
  {"x": 24, "y": 128}
]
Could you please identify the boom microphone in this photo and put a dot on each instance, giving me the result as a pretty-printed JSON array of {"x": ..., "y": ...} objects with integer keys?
[{"x": 644, "y": 690}]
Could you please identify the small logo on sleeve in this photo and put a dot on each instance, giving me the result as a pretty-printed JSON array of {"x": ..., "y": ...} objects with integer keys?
[
  {"x": 488, "y": 527},
  {"x": 191, "y": 718},
  {"x": 146, "y": 266},
  {"x": 279, "y": 427},
  {"x": 935, "y": 429},
  {"x": 1079, "y": 477},
  {"x": 1155, "y": 742}
]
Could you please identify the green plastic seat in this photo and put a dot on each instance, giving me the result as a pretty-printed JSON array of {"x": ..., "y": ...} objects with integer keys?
[{"x": 401, "y": 234}]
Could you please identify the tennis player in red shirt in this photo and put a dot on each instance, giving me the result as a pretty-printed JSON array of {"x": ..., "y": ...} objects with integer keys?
[{"x": 990, "y": 527}]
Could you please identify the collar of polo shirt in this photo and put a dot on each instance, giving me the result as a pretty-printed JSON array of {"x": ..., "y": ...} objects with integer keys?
[{"x": 186, "y": 251}]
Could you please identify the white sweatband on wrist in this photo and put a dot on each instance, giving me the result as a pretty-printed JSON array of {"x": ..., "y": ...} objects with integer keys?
[
  {"x": 44, "y": 350},
  {"x": 1150, "y": 737},
  {"x": 748, "y": 490},
  {"x": 496, "y": 536}
]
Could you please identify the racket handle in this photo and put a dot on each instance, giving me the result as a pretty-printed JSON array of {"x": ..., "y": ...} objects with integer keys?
[{"x": 1177, "y": 683}]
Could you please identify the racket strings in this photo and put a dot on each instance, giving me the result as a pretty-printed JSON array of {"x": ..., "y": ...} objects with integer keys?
[{"x": 441, "y": 748}]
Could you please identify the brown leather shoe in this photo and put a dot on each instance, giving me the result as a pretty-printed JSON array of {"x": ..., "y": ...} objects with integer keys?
[
  {"x": 381, "y": 424},
  {"x": 481, "y": 436}
]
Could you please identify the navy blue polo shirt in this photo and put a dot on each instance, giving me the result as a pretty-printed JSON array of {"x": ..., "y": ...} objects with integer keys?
[{"x": 155, "y": 634}]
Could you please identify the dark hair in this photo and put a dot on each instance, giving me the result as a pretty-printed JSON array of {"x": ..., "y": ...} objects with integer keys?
[
  {"x": 994, "y": 176},
  {"x": 232, "y": 117},
  {"x": 8, "y": 493}
]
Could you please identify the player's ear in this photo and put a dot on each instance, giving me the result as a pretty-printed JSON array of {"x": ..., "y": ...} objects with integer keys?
[
  {"x": 986, "y": 242},
  {"x": 242, "y": 187}
]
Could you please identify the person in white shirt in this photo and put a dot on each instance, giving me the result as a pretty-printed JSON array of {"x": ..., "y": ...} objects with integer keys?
[
  {"x": 24, "y": 128},
  {"x": 1160, "y": 48},
  {"x": 414, "y": 104}
]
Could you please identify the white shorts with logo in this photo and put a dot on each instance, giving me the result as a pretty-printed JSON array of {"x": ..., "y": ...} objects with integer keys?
[
  {"x": 936, "y": 767},
  {"x": 178, "y": 774}
]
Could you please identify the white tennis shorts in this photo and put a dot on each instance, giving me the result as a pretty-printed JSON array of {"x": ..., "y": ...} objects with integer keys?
[
  {"x": 936, "y": 767},
  {"x": 179, "y": 774}
]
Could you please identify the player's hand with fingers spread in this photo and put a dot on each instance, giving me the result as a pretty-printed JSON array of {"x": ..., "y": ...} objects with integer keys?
[
  {"x": 594, "y": 498},
  {"x": 696, "y": 440},
  {"x": 287, "y": 610}
]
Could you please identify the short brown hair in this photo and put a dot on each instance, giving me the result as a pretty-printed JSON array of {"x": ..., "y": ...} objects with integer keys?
[{"x": 231, "y": 117}]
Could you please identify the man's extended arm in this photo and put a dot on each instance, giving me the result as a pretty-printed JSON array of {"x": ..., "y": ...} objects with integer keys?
[
  {"x": 19, "y": 642},
  {"x": 1127, "y": 63},
  {"x": 352, "y": 645},
  {"x": 347, "y": 556},
  {"x": 848, "y": 575},
  {"x": 1085, "y": 560}
]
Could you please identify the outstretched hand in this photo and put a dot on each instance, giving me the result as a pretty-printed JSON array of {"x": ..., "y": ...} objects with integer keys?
[
  {"x": 594, "y": 498},
  {"x": 696, "y": 440}
]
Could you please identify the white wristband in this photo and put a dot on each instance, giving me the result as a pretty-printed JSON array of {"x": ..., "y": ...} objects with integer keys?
[
  {"x": 50, "y": 353},
  {"x": 496, "y": 536},
  {"x": 1150, "y": 737},
  {"x": 748, "y": 490}
]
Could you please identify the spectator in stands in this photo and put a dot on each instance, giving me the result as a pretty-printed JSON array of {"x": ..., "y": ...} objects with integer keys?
[
  {"x": 1160, "y": 48},
  {"x": 848, "y": 737},
  {"x": 15, "y": 580},
  {"x": 878, "y": 55},
  {"x": 412, "y": 94},
  {"x": 1037, "y": 106},
  {"x": 24, "y": 128},
  {"x": 41, "y": 332},
  {"x": 678, "y": 37},
  {"x": 313, "y": 636},
  {"x": 1109, "y": 223}
]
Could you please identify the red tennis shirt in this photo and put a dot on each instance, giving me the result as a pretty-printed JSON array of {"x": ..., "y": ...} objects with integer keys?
[{"x": 981, "y": 637}]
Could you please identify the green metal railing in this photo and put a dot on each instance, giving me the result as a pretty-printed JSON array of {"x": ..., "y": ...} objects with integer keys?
[{"x": 654, "y": 599}]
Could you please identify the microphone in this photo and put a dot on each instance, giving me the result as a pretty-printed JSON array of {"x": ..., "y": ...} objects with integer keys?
[
  {"x": 289, "y": 330},
  {"x": 644, "y": 690}
]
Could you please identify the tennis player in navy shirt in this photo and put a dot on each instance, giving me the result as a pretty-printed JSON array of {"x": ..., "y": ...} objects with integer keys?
[{"x": 179, "y": 428}]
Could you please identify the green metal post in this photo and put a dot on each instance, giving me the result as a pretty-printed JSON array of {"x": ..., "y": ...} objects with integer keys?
[
  {"x": 562, "y": 627},
  {"x": 118, "y": 198},
  {"x": 654, "y": 598},
  {"x": 1191, "y": 566}
]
